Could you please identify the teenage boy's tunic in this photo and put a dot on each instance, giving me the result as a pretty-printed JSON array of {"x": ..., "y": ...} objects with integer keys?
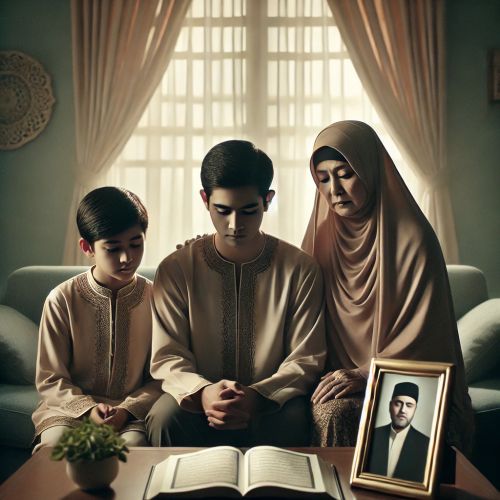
[
  {"x": 265, "y": 330},
  {"x": 88, "y": 355}
]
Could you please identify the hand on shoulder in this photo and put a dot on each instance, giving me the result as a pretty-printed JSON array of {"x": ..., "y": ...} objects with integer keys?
[{"x": 188, "y": 242}]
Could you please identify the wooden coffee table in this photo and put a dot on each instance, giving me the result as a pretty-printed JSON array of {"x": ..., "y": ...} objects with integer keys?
[{"x": 44, "y": 479}]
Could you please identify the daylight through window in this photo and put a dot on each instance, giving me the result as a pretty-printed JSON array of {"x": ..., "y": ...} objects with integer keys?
[{"x": 274, "y": 72}]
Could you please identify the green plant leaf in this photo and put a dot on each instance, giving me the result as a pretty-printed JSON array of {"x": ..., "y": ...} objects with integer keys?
[{"x": 90, "y": 441}]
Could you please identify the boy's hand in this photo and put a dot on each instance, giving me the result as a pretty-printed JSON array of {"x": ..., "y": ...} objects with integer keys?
[
  {"x": 101, "y": 412},
  {"x": 118, "y": 418},
  {"x": 249, "y": 400},
  {"x": 111, "y": 415},
  {"x": 220, "y": 402}
]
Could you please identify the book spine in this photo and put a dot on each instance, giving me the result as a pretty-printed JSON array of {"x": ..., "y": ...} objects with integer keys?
[{"x": 144, "y": 497}]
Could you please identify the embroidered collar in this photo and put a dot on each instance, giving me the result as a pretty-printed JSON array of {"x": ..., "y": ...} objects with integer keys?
[
  {"x": 219, "y": 263},
  {"x": 238, "y": 309},
  {"x": 106, "y": 292}
]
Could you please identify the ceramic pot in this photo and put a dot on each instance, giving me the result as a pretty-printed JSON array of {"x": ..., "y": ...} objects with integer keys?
[{"x": 93, "y": 475}]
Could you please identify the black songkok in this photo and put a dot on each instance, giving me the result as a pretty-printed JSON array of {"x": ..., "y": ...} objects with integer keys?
[{"x": 406, "y": 389}]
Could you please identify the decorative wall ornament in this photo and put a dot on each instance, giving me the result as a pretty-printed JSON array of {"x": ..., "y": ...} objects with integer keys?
[{"x": 26, "y": 99}]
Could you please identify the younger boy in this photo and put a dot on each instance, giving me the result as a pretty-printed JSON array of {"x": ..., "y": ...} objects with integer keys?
[
  {"x": 238, "y": 326},
  {"x": 95, "y": 332}
]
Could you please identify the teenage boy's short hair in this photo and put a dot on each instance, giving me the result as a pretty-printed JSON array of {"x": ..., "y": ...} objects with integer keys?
[
  {"x": 107, "y": 211},
  {"x": 234, "y": 164}
]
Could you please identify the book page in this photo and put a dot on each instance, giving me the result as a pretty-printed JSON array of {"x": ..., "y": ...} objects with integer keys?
[
  {"x": 267, "y": 465},
  {"x": 218, "y": 465}
]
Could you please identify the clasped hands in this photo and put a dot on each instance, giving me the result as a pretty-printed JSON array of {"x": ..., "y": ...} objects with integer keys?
[
  {"x": 112, "y": 415},
  {"x": 338, "y": 384},
  {"x": 229, "y": 405}
]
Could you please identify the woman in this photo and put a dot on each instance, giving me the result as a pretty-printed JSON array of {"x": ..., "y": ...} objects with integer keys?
[{"x": 386, "y": 284}]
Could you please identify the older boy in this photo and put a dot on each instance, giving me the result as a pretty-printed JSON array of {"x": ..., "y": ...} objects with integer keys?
[{"x": 238, "y": 335}]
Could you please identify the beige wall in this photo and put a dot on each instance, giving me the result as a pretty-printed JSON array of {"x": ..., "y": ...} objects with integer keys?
[{"x": 36, "y": 180}]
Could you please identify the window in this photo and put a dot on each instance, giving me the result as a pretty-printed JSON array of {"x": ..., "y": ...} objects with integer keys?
[{"x": 274, "y": 72}]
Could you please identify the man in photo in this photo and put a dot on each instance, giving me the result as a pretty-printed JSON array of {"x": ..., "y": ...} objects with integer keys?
[
  {"x": 238, "y": 322},
  {"x": 398, "y": 450}
]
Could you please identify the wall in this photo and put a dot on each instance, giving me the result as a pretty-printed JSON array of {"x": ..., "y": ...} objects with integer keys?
[
  {"x": 473, "y": 27},
  {"x": 36, "y": 179}
]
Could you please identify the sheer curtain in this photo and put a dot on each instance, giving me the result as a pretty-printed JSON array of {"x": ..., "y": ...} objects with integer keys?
[
  {"x": 274, "y": 72},
  {"x": 397, "y": 48},
  {"x": 121, "y": 49}
]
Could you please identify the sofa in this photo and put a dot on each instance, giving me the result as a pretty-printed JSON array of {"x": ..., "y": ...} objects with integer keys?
[{"x": 478, "y": 320}]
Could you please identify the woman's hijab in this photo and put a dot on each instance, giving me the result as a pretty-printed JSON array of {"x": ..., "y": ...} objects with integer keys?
[{"x": 386, "y": 283}]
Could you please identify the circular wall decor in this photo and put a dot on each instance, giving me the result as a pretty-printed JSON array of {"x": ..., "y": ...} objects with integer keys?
[{"x": 26, "y": 99}]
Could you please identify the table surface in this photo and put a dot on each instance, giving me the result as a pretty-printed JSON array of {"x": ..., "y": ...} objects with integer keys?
[{"x": 46, "y": 479}]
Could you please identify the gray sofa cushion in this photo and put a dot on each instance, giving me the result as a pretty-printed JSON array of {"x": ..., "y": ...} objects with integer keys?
[
  {"x": 479, "y": 332},
  {"x": 17, "y": 403},
  {"x": 28, "y": 287},
  {"x": 468, "y": 288},
  {"x": 18, "y": 346},
  {"x": 485, "y": 396}
]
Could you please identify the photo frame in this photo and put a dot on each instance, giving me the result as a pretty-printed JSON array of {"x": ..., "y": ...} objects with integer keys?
[{"x": 400, "y": 439}]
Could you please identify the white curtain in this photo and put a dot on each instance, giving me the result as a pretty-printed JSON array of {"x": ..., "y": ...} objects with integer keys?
[
  {"x": 273, "y": 72},
  {"x": 397, "y": 48},
  {"x": 121, "y": 49}
]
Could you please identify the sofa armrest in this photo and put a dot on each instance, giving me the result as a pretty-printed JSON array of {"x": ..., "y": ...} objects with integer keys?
[
  {"x": 468, "y": 288},
  {"x": 28, "y": 287},
  {"x": 18, "y": 347},
  {"x": 479, "y": 332}
]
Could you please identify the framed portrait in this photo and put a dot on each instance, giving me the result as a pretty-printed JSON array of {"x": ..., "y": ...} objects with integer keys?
[{"x": 400, "y": 439}]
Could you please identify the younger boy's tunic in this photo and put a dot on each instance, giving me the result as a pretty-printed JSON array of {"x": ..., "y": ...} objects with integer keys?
[
  {"x": 88, "y": 355},
  {"x": 265, "y": 330}
]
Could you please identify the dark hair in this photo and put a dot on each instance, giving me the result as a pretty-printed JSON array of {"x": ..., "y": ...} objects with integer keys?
[
  {"x": 326, "y": 153},
  {"x": 236, "y": 163},
  {"x": 107, "y": 211}
]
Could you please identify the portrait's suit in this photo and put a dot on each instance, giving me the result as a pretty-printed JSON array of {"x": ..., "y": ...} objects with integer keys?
[{"x": 411, "y": 463}]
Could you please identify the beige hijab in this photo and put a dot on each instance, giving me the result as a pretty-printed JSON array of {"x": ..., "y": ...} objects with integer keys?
[{"x": 386, "y": 284}]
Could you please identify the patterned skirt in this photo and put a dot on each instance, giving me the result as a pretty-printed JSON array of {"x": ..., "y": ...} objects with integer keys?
[{"x": 336, "y": 422}]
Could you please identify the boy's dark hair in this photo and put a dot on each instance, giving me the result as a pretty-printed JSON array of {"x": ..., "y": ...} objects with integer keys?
[
  {"x": 107, "y": 211},
  {"x": 236, "y": 163}
]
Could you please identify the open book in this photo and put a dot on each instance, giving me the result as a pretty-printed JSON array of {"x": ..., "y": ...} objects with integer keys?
[{"x": 224, "y": 471}]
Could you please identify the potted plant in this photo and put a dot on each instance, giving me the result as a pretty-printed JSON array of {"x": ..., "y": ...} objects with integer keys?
[{"x": 92, "y": 452}]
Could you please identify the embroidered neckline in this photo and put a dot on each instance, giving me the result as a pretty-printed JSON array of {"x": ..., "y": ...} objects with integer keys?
[
  {"x": 103, "y": 382},
  {"x": 124, "y": 305},
  {"x": 106, "y": 292},
  {"x": 238, "y": 333},
  {"x": 211, "y": 240}
]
